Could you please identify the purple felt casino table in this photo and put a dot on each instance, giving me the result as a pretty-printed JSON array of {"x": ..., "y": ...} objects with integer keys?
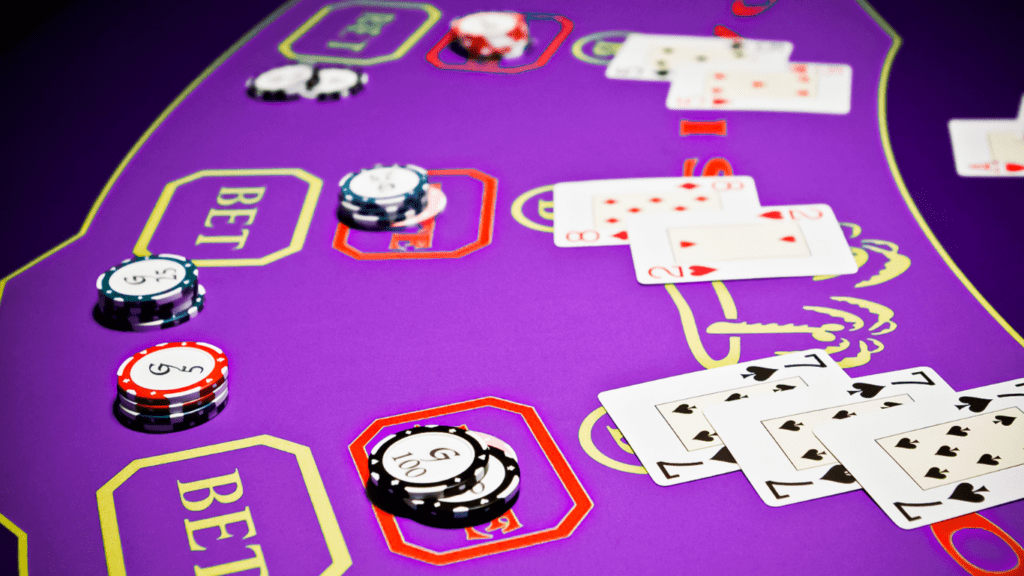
[{"x": 338, "y": 336}]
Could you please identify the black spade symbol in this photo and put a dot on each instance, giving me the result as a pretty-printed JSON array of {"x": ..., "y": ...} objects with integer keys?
[
  {"x": 760, "y": 374},
  {"x": 988, "y": 460},
  {"x": 890, "y": 404},
  {"x": 967, "y": 493},
  {"x": 946, "y": 451},
  {"x": 783, "y": 387},
  {"x": 791, "y": 425},
  {"x": 724, "y": 455},
  {"x": 813, "y": 454},
  {"x": 843, "y": 414},
  {"x": 866, "y": 390},
  {"x": 906, "y": 443},
  {"x": 735, "y": 396},
  {"x": 704, "y": 436},
  {"x": 934, "y": 472},
  {"x": 840, "y": 474},
  {"x": 975, "y": 404},
  {"x": 684, "y": 409},
  {"x": 957, "y": 431},
  {"x": 1004, "y": 420}
]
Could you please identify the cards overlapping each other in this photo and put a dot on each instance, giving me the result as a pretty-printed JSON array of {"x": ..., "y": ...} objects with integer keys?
[
  {"x": 594, "y": 213},
  {"x": 772, "y": 437},
  {"x": 658, "y": 56},
  {"x": 988, "y": 147},
  {"x": 932, "y": 461},
  {"x": 766, "y": 242},
  {"x": 663, "y": 419}
]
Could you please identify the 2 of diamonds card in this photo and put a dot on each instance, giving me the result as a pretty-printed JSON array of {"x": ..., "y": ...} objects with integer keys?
[
  {"x": 803, "y": 87},
  {"x": 594, "y": 212},
  {"x": 988, "y": 147},
  {"x": 766, "y": 242},
  {"x": 657, "y": 56},
  {"x": 772, "y": 441},
  {"x": 663, "y": 419},
  {"x": 932, "y": 461}
]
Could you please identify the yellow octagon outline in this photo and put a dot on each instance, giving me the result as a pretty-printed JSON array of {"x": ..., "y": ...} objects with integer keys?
[
  {"x": 22, "y": 544},
  {"x": 301, "y": 227},
  {"x": 433, "y": 15},
  {"x": 340, "y": 558}
]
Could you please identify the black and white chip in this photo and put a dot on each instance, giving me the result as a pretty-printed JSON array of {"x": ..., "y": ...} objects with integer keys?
[
  {"x": 281, "y": 83},
  {"x": 427, "y": 462}
]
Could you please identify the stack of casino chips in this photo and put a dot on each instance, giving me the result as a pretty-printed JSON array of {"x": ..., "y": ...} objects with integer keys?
[
  {"x": 149, "y": 293},
  {"x": 383, "y": 197},
  {"x": 171, "y": 387},
  {"x": 491, "y": 34},
  {"x": 443, "y": 476},
  {"x": 293, "y": 81}
]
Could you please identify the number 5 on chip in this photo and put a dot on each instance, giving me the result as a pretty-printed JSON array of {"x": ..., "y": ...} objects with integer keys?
[{"x": 766, "y": 242}]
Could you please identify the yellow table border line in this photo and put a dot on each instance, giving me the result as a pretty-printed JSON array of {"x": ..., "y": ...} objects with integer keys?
[{"x": 883, "y": 126}]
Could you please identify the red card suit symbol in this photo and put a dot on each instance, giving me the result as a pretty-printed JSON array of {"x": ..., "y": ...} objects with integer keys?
[
  {"x": 788, "y": 239},
  {"x": 758, "y": 84},
  {"x": 685, "y": 244},
  {"x": 774, "y": 215},
  {"x": 621, "y": 235},
  {"x": 612, "y": 220},
  {"x": 689, "y": 185},
  {"x": 719, "y": 101},
  {"x": 719, "y": 76},
  {"x": 610, "y": 201},
  {"x": 679, "y": 208},
  {"x": 634, "y": 209},
  {"x": 799, "y": 68},
  {"x": 700, "y": 270},
  {"x": 802, "y": 93},
  {"x": 655, "y": 200},
  {"x": 702, "y": 198},
  {"x": 1014, "y": 167}
]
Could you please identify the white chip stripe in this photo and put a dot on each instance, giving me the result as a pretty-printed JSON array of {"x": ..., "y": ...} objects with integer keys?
[{"x": 288, "y": 78}]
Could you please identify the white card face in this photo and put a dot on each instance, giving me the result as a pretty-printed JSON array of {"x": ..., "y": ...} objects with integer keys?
[
  {"x": 988, "y": 147},
  {"x": 663, "y": 420},
  {"x": 803, "y": 87},
  {"x": 766, "y": 242},
  {"x": 657, "y": 57},
  {"x": 936, "y": 460},
  {"x": 594, "y": 212},
  {"x": 772, "y": 441}
]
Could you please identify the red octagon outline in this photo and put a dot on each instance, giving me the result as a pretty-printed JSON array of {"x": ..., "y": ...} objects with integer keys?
[
  {"x": 582, "y": 504},
  {"x": 485, "y": 230},
  {"x": 492, "y": 66}
]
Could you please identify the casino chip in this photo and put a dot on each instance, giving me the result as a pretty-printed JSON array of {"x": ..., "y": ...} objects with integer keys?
[
  {"x": 172, "y": 386},
  {"x": 281, "y": 83},
  {"x": 334, "y": 84},
  {"x": 427, "y": 462},
  {"x": 407, "y": 453},
  {"x": 492, "y": 34},
  {"x": 149, "y": 293},
  {"x": 378, "y": 197}
]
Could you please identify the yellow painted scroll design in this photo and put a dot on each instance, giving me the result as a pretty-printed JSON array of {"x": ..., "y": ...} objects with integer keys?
[
  {"x": 587, "y": 442},
  {"x": 692, "y": 333},
  {"x": 867, "y": 343}
]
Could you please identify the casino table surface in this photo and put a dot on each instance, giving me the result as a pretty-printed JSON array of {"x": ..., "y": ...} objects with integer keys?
[{"x": 125, "y": 121}]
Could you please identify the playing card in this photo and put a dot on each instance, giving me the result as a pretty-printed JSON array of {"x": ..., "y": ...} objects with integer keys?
[
  {"x": 803, "y": 87},
  {"x": 663, "y": 419},
  {"x": 771, "y": 437},
  {"x": 765, "y": 242},
  {"x": 935, "y": 460},
  {"x": 657, "y": 57},
  {"x": 988, "y": 147},
  {"x": 594, "y": 212}
]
